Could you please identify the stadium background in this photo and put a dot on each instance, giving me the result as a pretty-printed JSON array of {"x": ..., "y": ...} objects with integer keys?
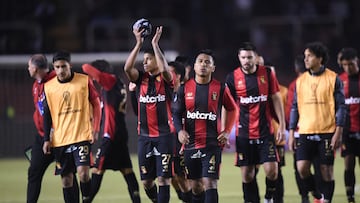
[{"x": 102, "y": 29}]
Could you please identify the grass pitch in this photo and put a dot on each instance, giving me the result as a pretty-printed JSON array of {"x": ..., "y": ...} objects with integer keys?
[{"x": 13, "y": 180}]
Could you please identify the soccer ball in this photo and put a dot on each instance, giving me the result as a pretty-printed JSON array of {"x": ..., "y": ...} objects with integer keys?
[{"x": 143, "y": 24}]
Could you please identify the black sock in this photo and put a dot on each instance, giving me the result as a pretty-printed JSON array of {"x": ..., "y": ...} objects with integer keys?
[
  {"x": 302, "y": 190},
  {"x": 133, "y": 187},
  {"x": 186, "y": 196},
  {"x": 211, "y": 196},
  {"x": 328, "y": 188},
  {"x": 349, "y": 179},
  {"x": 279, "y": 193},
  {"x": 69, "y": 196},
  {"x": 164, "y": 194},
  {"x": 75, "y": 188},
  {"x": 85, "y": 189},
  {"x": 270, "y": 188},
  {"x": 255, "y": 193},
  {"x": 256, "y": 171},
  {"x": 96, "y": 180},
  {"x": 152, "y": 193},
  {"x": 309, "y": 185},
  {"x": 249, "y": 192},
  {"x": 199, "y": 198},
  {"x": 179, "y": 194}
]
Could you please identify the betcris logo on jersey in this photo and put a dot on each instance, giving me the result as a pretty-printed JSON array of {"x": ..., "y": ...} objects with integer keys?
[
  {"x": 151, "y": 99},
  {"x": 202, "y": 116},
  {"x": 352, "y": 100},
  {"x": 253, "y": 99}
]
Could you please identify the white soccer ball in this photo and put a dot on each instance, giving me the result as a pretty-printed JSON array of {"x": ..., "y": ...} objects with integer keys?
[{"x": 143, "y": 24}]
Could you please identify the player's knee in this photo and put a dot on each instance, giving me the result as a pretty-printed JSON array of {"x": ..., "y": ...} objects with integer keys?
[
  {"x": 247, "y": 178},
  {"x": 327, "y": 173},
  {"x": 148, "y": 183},
  {"x": 197, "y": 186},
  {"x": 126, "y": 171},
  {"x": 164, "y": 181},
  {"x": 84, "y": 175},
  {"x": 272, "y": 174},
  {"x": 210, "y": 183},
  {"x": 97, "y": 171},
  {"x": 67, "y": 180}
]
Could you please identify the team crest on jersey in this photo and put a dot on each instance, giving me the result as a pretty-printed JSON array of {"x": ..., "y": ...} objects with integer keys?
[
  {"x": 189, "y": 95},
  {"x": 262, "y": 79},
  {"x": 240, "y": 83},
  {"x": 66, "y": 97},
  {"x": 158, "y": 78},
  {"x": 214, "y": 96}
]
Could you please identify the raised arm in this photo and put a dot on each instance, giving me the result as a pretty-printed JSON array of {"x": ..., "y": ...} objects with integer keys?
[
  {"x": 131, "y": 72},
  {"x": 160, "y": 58}
]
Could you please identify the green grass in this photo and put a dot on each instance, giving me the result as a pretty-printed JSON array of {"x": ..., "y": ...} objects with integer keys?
[{"x": 13, "y": 179}]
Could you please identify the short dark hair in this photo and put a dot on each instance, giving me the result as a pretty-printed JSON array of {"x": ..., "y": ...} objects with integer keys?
[
  {"x": 179, "y": 69},
  {"x": 207, "y": 52},
  {"x": 247, "y": 46},
  {"x": 40, "y": 61},
  {"x": 348, "y": 53},
  {"x": 62, "y": 55},
  {"x": 151, "y": 51},
  {"x": 299, "y": 63},
  {"x": 320, "y": 51},
  {"x": 183, "y": 59},
  {"x": 102, "y": 65}
]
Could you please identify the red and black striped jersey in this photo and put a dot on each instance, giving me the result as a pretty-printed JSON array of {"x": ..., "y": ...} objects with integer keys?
[
  {"x": 38, "y": 97},
  {"x": 290, "y": 99},
  {"x": 352, "y": 100},
  {"x": 200, "y": 105},
  {"x": 154, "y": 105},
  {"x": 113, "y": 97},
  {"x": 251, "y": 92}
]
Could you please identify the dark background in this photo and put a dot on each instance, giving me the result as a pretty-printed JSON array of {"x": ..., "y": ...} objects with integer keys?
[{"x": 279, "y": 29}]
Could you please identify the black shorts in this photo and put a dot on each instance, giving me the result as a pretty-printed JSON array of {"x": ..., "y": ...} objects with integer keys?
[
  {"x": 255, "y": 151},
  {"x": 178, "y": 159},
  {"x": 155, "y": 156},
  {"x": 178, "y": 146},
  {"x": 350, "y": 144},
  {"x": 311, "y": 146},
  {"x": 202, "y": 163},
  {"x": 69, "y": 157},
  {"x": 112, "y": 154},
  {"x": 179, "y": 165}
]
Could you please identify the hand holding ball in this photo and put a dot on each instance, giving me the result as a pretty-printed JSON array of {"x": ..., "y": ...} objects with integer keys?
[{"x": 143, "y": 24}]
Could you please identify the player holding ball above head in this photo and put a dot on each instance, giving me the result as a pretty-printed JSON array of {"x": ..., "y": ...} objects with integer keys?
[{"x": 155, "y": 125}]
